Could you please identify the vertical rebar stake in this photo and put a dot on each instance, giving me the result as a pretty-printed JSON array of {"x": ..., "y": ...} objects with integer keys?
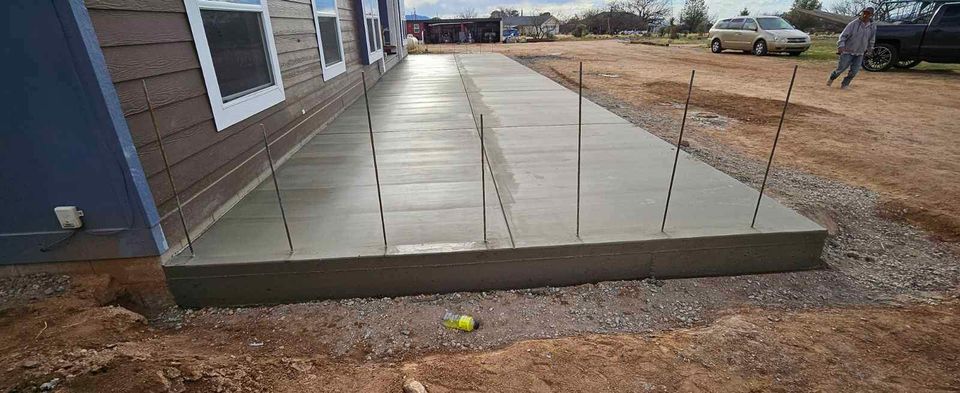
[
  {"x": 676, "y": 156},
  {"x": 774, "y": 149},
  {"x": 276, "y": 186},
  {"x": 373, "y": 149},
  {"x": 579, "y": 142},
  {"x": 166, "y": 166},
  {"x": 483, "y": 180}
]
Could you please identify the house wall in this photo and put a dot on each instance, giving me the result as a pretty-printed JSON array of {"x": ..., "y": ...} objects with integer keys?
[
  {"x": 65, "y": 143},
  {"x": 397, "y": 31},
  {"x": 150, "y": 40},
  {"x": 410, "y": 29},
  {"x": 551, "y": 26}
]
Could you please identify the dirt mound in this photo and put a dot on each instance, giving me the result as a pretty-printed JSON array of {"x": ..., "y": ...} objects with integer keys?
[
  {"x": 843, "y": 350},
  {"x": 941, "y": 220},
  {"x": 753, "y": 110},
  {"x": 71, "y": 341}
]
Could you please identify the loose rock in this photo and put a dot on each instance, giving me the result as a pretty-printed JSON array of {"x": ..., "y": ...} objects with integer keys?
[{"x": 413, "y": 386}]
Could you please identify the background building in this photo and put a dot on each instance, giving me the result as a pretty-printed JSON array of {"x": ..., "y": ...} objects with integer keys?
[
  {"x": 440, "y": 31},
  {"x": 539, "y": 26}
]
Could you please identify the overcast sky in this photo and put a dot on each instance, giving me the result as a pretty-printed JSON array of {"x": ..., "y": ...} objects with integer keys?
[{"x": 450, "y": 8}]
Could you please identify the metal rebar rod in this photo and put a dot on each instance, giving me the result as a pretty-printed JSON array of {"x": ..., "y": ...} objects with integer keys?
[
  {"x": 579, "y": 142},
  {"x": 276, "y": 186},
  {"x": 776, "y": 138},
  {"x": 489, "y": 162},
  {"x": 373, "y": 149},
  {"x": 483, "y": 180},
  {"x": 166, "y": 166},
  {"x": 676, "y": 156}
]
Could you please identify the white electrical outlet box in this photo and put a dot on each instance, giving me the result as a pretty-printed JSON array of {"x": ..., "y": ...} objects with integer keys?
[{"x": 69, "y": 216}]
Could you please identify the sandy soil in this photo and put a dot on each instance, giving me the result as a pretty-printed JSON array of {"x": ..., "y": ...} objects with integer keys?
[
  {"x": 895, "y": 132},
  {"x": 76, "y": 341}
]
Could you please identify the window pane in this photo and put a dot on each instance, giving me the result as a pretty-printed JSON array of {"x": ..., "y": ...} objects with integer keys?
[
  {"x": 379, "y": 34},
  {"x": 371, "y": 7},
  {"x": 330, "y": 38},
  {"x": 326, "y": 6},
  {"x": 371, "y": 42},
  {"x": 238, "y": 51},
  {"x": 951, "y": 16},
  {"x": 774, "y": 24}
]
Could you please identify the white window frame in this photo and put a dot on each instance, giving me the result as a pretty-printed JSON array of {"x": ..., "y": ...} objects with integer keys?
[
  {"x": 329, "y": 72},
  {"x": 238, "y": 109},
  {"x": 373, "y": 13}
]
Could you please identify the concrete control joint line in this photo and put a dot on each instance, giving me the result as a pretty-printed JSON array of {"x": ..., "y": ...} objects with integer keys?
[{"x": 493, "y": 175}]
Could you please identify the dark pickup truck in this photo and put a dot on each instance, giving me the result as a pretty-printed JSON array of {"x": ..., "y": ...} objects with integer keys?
[{"x": 932, "y": 36}]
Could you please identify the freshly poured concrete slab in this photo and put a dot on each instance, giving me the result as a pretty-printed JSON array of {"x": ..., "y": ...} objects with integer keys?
[
  {"x": 625, "y": 176},
  {"x": 425, "y": 118}
]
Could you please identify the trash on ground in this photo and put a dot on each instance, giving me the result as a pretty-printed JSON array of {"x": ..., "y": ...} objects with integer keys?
[{"x": 460, "y": 322}]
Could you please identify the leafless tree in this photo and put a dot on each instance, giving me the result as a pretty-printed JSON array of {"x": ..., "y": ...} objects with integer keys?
[
  {"x": 845, "y": 7},
  {"x": 562, "y": 17},
  {"x": 467, "y": 13},
  {"x": 649, "y": 11},
  {"x": 882, "y": 8}
]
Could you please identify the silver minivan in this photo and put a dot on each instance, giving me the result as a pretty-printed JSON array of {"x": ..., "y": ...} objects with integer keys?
[{"x": 759, "y": 35}]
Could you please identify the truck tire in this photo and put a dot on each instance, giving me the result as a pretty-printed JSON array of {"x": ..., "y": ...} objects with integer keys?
[
  {"x": 904, "y": 64},
  {"x": 884, "y": 56}
]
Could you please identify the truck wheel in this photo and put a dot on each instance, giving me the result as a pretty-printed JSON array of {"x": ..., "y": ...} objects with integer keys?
[
  {"x": 884, "y": 57},
  {"x": 716, "y": 46},
  {"x": 760, "y": 48},
  {"x": 904, "y": 64}
]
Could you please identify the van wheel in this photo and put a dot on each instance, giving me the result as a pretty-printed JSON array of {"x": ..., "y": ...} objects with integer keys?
[
  {"x": 716, "y": 46},
  {"x": 760, "y": 48}
]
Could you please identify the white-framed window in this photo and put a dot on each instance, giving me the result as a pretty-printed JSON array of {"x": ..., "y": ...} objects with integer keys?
[
  {"x": 416, "y": 27},
  {"x": 235, "y": 46},
  {"x": 374, "y": 34},
  {"x": 327, "y": 21}
]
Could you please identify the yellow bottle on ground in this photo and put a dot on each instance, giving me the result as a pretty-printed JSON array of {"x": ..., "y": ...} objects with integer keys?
[{"x": 460, "y": 322}]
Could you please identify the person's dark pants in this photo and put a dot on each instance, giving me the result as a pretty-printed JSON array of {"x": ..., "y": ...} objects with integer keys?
[{"x": 851, "y": 61}]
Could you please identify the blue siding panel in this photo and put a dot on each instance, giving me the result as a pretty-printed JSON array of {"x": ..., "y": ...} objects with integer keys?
[{"x": 65, "y": 142}]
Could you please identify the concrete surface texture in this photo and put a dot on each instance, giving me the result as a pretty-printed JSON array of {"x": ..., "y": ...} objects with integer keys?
[{"x": 425, "y": 116}]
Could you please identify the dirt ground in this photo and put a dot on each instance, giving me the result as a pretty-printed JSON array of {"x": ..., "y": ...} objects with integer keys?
[
  {"x": 74, "y": 340},
  {"x": 895, "y": 132},
  {"x": 883, "y": 315}
]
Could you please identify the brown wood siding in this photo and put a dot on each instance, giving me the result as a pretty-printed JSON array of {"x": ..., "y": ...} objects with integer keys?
[{"x": 150, "y": 41}]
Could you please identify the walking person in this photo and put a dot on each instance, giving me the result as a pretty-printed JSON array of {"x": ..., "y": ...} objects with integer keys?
[{"x": 855, "y": 42}]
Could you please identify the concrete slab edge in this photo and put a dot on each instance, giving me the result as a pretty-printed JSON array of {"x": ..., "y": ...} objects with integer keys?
[{"x": 397, "y": 275}]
